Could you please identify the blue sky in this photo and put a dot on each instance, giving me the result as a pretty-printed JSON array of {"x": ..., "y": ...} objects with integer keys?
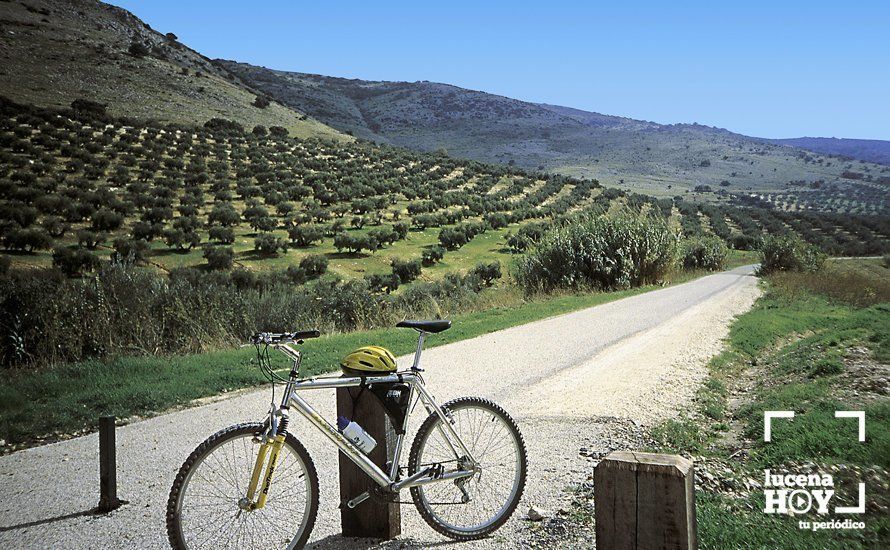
[{"x": 770, "y": 69}]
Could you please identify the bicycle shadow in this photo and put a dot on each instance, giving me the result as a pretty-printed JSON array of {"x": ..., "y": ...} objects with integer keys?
[{"x": 342, "y": 543}]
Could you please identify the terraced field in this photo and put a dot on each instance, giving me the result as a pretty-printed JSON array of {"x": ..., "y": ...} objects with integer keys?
[{"x": 80, "y": 181}]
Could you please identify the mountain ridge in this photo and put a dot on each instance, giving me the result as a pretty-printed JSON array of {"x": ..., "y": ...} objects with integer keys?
[{"x": 708, "y": 163}]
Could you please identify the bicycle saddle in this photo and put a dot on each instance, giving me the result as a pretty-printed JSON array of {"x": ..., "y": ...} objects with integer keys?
[{"x": 438, "y": 325}]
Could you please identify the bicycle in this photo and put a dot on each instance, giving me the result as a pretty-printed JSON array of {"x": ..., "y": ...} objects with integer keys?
[{"x": 254, "y": 485}]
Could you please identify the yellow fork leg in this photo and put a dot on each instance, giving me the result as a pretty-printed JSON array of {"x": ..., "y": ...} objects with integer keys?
[
  {"x": 257, "y": 470},
  {"x": 276, "y": 444}
]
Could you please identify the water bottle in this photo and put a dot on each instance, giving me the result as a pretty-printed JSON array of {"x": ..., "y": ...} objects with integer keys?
[{"x": 356, "y": 434}]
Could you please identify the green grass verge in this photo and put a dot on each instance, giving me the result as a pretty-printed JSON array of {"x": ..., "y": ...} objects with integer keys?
[
  {"x": 797, "y": 336},
  {"x": 67, "y": 399}
]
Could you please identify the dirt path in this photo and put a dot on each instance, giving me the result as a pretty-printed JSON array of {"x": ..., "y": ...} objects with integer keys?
[{"x": 574, "y": 381}]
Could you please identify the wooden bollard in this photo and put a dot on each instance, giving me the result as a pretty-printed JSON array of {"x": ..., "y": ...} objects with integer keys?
[
  {"x": 644, "y": 500},
  {"x": 108, "y": 500},
  {"x": 372, "y": 518}
]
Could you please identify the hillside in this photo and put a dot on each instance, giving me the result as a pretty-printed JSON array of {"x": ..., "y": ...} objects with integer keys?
[
  {"x": 55, "y": 51},
  {"x": 79, "y": 182},
  {"x": 869, "y": 150},
  {"x": 663, "y": 160}
]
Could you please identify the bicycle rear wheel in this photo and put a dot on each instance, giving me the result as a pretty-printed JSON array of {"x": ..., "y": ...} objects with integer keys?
[
  {"x": 203, "y": 509},
  {"x": 494, "y": 441}
]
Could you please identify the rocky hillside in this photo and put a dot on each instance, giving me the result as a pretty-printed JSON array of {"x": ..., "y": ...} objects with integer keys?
[
  {"x": 707, "y": 163},
  {"x": 869, "y": 150},
  {"x": 55, "y": 51}
]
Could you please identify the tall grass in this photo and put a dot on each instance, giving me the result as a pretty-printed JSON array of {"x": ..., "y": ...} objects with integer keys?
[{"x": 46, "y": 318}]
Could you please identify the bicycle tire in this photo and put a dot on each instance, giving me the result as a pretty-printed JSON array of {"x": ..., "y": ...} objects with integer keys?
[
  {"x": 179, "y": 491},
  {"x": 415, "y": 460}
]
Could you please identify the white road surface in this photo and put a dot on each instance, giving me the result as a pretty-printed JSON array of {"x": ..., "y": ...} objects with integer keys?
[{"x": 563, "y": 379}]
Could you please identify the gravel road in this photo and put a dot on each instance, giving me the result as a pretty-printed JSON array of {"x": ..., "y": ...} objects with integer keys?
[{"x": 573, "y": 381}]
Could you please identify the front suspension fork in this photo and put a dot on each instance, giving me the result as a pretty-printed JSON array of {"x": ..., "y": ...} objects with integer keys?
[{"x": 271, "y": 447}]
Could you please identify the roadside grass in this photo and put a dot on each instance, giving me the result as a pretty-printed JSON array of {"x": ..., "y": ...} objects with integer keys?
[
  {"x": 53, "y": 403},
  {"x": 794, "y": 341}
]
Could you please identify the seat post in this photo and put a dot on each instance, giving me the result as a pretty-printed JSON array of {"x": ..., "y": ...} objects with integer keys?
[{"x": 416, "y": 365}]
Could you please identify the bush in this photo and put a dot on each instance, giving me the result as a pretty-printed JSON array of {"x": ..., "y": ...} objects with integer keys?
[
  {"x": 382, "y": 283},
  {"x": 129, "y": 251},
  {"x": 744, "y": 242},
  {"x": 224, "y": 214},
  {"x": 74, "y": 261},
  {"x": 314, "y": 266},
  {"x": 5, "y": 262},
  {"x": 603, "y": 253},
  {"x": 708, "y": 253},
  {"x": 261, "y": 101},
  {"x": 278, "y": 131},
  {"x": 406, "y": 271},
  {"x": 305, "y": 235},
  {"x": 269, "y": 245},
  {"x": 432, "y": 255},
  {"x": 224, "y": 235},
  {"x": 107, "y": 220},
  {"x": 487, "y": 273},
  {"x": 219, "y": 257},
  {"x": 28, "y": 239},
  {"x": 138, "y": 49},
  {"x": 789, "y": 253}
]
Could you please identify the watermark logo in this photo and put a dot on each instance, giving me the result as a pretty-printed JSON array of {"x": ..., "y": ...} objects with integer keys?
[{"x": 803, "y": 493}]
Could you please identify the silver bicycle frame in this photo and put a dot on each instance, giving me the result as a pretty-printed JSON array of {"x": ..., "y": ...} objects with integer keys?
[{"x": 411, "y": 377}]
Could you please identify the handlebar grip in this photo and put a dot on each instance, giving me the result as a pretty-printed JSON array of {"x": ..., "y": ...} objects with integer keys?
[{"x": 306, "y": 334}]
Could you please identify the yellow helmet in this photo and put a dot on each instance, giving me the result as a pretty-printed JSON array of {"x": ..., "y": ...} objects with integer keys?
[{"x": 369, "y": 359}]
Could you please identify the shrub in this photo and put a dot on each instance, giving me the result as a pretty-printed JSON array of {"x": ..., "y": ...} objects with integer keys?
[
  {"x": 278, "y": 131},
  {"x": 314, "y": 266},
  {"x": 527, "y": 236},
  {"x": 138, "y": 49},
  {"x": 744, "y": 242},
  {"x": 74, "y": 261},
  {"x": 269, "y": 245},
  {"x": 261, "y": 101},
  {"x": 603, "y": 253},
  {"x": 89, "y": 239},
  {"x": 224, "y": 214},
  {"x": 708, "y": 253},
  {"x": 432, "y": 255},
  {"x": 304, "y": 235},
  {"x": 107, "y": 220},
  {"x": 28, "y": 239},
  {"x": 219, "y": 257},
  {"x": 487, "y": 273},
  {"x": 406, "y": 271},
  {"x": 224, "y": 235},
  {"x": 182, "y": 239},
  {"x": 129, "y": 251},
  {"x": 260, "y": 131},
  {"x": 5, "y": 262},
  {"x": 382, "y": 283},
  {"x": 789, "y": 253}
]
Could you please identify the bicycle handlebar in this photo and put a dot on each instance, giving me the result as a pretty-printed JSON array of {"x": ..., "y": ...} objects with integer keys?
[{"x": 283, "y": 337}]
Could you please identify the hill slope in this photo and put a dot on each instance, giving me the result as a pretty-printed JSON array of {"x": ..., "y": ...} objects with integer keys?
[
  {"x": 55, "y": 51},
  {"x": 869, "y": 150},
  {"x": 643, "y": 156}
]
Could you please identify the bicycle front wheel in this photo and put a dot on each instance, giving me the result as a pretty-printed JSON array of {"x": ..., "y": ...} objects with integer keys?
[
  {"x": 203, "y": 510},
  {"x": 474, "y": 507}
]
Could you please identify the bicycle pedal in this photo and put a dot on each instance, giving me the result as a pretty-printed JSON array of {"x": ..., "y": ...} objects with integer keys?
[{"x": 358, "y": 500}]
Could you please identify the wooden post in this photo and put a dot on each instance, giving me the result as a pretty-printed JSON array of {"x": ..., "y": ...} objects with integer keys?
[
  {"x": 371, "y": 518},
  {"x": 645, "y": 500},
  {"x": 108, "y": 500}
]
